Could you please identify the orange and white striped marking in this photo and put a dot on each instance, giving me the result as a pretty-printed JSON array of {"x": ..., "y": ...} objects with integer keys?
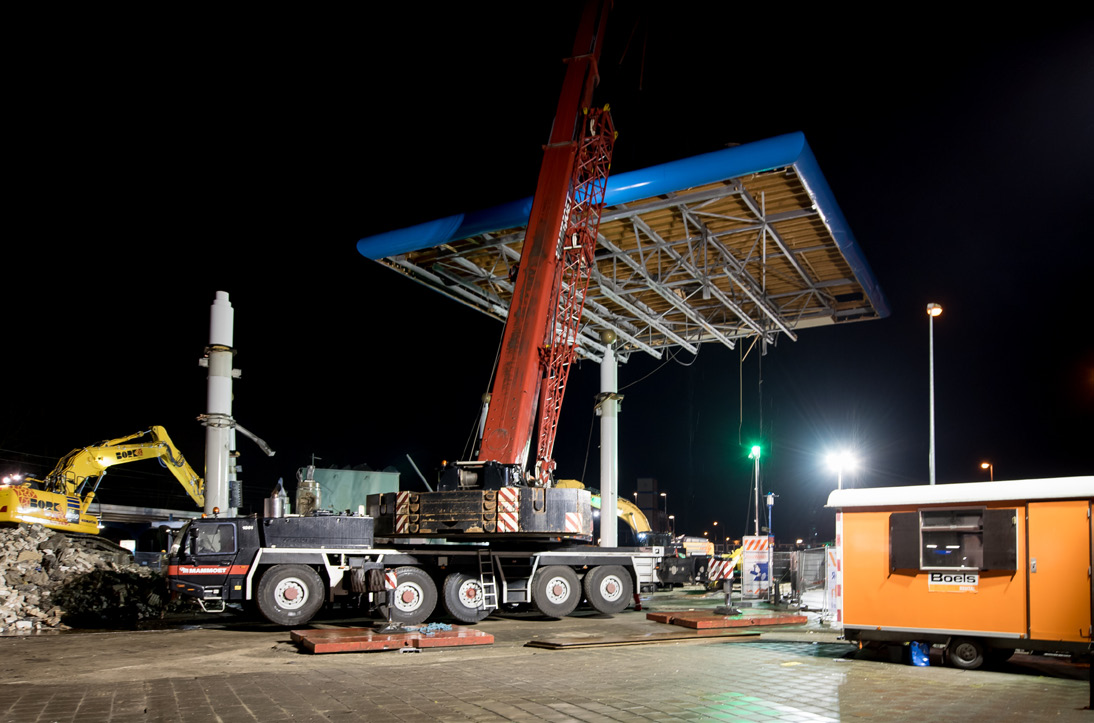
[
  {"x": 402, "y": 512},
  {"x": 509, "y": 509},
  {"x": 391, "y": 580},
  {"x": 573, "y": 523},
  {"x": 755, "y": 544}
]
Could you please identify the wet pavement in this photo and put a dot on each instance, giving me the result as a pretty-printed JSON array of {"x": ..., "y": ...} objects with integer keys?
[{"x": 237, "y": 670}]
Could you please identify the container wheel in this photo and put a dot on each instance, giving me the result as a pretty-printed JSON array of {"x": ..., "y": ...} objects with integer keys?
[
  {"x": 965, "y": 653},
  {"x": 464, "y": 599},
  {"x": 609, "y": 589},
  {"x": 555, "y": 591},
  {"x": 290, "y": 594}
]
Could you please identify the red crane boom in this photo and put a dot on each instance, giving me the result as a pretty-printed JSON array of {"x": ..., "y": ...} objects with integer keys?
[{"x": 538, "y": 345}]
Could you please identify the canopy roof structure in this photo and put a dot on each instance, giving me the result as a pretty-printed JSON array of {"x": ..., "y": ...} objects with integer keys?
[{"x": 742, "y": 243}]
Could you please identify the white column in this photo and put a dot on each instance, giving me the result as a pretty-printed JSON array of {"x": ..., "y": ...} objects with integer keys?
[
  {"x": 609, "y": 434},
  {"x": 219, "y": 405}
]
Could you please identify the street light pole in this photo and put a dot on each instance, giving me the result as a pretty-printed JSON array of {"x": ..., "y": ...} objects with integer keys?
[
  {"x": 990, "y": 468},
  {"x": 933, "y": 310},
  {"x": 839, "y": 461},
  {"x": 755, "y": 455},
  {"x": 666, "y": 496}
]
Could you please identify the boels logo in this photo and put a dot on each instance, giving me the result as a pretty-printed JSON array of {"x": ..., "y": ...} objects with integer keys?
[
  {"x": 953, "y": 582},
  {"x": 129, "y": 454}
]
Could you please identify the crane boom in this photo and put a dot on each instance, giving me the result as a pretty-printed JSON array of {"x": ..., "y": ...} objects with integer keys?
[{"x": 549, "y": 294}]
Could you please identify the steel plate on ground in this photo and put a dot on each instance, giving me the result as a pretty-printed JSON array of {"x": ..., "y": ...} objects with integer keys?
[
  {"x": 595, "y": 641},
  {"x": 704, "y": 619},
  {"x": 355, "y": 640}
]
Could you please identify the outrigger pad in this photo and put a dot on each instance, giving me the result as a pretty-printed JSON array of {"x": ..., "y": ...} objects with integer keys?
[{"x": 358, "y": 640}]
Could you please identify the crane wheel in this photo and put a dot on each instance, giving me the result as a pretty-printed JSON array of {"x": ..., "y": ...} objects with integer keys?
[
  {"x": 414, "y": 597},
  {"x": 464, "y": 599},
  {"x": 290, "y": 594},
  {"x": 556, "y": 591},
  {"x": 609, "y": 589}
]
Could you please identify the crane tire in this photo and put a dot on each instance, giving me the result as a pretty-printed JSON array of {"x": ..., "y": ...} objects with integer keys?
[
  {"x": 290, "y": 594},
  {"x": 464, "y": 599},
  {"x": 555, "y": 591},
  {"x": 414, "y": 597},
  {"x": 609, "y": 588}
]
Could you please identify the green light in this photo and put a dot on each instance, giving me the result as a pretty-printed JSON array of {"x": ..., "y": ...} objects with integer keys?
[{"x": 755, "y": 452}]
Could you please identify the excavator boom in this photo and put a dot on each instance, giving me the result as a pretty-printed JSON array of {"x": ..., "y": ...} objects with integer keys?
[{"x": 62, "y": 500}]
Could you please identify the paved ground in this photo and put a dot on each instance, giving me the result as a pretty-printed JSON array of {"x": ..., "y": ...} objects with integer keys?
[{"x": 252, "y": 672}]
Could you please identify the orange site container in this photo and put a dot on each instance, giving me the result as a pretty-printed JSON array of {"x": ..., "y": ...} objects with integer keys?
[{"x": 983, "y": 568}]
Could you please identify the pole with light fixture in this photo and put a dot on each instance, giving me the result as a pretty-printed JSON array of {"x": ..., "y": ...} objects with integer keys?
[
  {"x": 840, "y": 461},
  {"x": 990, "y": 468},
  {"x": 933, "y": 310},
  {"x": 755, "y": 455}
]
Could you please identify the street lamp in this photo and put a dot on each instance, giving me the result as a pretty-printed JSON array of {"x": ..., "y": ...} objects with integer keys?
[
  {"x": 672, "y": 521},
  {"x": 933, "y": 310},
  {"x": 666, "y": 496},
  {"x": 755, "y": 455},
  {"x": 840, "y": 461},
  {"x": 990, "y": 468}
]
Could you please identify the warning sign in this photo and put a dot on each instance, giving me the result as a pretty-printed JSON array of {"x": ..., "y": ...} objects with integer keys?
[
  {"x": 953, "y": 582},
  {"x": 756, "y": 578}
]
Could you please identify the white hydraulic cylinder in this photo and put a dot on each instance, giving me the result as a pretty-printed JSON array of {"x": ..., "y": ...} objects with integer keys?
[
  {"x": 218, "y": 417},
  {"x": 609, "y": 443}
]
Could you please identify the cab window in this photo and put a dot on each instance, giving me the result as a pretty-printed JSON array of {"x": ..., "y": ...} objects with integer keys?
[{"x": 215, "y": 539}]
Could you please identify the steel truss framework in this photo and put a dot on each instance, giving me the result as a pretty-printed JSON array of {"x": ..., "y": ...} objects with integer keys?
[{"x": 747, "y": 257}]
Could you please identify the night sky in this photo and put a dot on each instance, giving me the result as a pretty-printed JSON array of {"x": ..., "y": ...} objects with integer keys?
[{"x": 154, "y": 169}]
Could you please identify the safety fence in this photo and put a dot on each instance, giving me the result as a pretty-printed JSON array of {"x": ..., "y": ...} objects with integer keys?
[{"x": 801, "y": 576}]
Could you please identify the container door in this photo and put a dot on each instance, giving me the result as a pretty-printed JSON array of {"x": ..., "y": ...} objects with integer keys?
[{"x": 1059, "y": 570}]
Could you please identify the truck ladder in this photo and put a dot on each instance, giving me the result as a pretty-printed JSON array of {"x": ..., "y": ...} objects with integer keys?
[{"x": 486, "y": 577}]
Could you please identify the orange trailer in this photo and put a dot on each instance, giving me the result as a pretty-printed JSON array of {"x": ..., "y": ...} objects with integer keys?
[{"x": 983, "y": 568}]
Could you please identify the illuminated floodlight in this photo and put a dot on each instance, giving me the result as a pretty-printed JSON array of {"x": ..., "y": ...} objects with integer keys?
[{"x": 840, "y": 462}]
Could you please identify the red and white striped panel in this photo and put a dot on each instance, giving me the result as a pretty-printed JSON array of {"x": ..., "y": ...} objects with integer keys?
[
  {"x": 509, "y": 509},
  {"x": 391, "y": 580},
  {"x": 402, "y": 512},
  {"x": 721, "y": 569},
  {"x": 573, "y": 523},
  {"x": 402, "y": 502}
]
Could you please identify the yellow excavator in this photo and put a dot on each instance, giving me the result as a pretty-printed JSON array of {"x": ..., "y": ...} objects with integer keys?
[{"x": 62, "y": 500}]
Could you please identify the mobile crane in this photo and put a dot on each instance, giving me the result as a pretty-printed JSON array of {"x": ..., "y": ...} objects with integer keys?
[
  {"x": 62, "y": 500},
  {"x": 497, "y": 531}
]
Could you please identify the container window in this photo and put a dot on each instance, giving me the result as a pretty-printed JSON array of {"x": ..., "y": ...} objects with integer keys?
[
  {"x": 951, "y": 539},
  {"x": 954, "y": 539}
]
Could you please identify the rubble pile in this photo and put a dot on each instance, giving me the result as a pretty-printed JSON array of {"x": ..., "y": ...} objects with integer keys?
[{"x": 49, "y": 580}]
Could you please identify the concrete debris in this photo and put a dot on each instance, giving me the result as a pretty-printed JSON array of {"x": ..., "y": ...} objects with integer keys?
[{"x": 51, "y": 581}]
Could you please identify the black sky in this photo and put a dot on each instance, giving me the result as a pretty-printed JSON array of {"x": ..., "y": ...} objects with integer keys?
[{"x": 154, "y": 168}]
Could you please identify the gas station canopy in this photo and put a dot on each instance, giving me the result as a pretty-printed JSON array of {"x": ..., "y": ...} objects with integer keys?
[{"x": 746, "y": 242}]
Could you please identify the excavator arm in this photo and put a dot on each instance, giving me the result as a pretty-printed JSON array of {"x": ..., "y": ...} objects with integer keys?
[{"x": 66, "y": 493}]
